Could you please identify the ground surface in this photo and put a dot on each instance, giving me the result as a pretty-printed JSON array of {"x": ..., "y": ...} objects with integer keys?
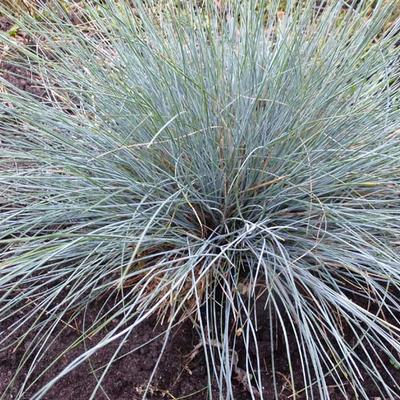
[{"x": 176, "y": 377}]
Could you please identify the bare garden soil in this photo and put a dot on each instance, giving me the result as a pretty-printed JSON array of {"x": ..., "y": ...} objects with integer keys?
[{"x": 178, "y": 376}]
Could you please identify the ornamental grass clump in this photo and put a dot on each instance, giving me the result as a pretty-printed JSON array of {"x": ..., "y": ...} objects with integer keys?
[{"x": 229, "y": 163}]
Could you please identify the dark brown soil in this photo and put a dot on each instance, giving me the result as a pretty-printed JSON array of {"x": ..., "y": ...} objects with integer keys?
[
  {"x": 19, "y": 77},
  {"x": 128, "y": 376},
  {"x": 176, "y": 377},
  {"x": 5, "y": 24}
]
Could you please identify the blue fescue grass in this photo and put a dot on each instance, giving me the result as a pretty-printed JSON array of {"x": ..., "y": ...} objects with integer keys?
[{"x": 192, "y": 160}]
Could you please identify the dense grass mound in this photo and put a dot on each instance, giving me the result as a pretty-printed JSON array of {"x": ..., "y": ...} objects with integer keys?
[{"x": 189, "y": 160}]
